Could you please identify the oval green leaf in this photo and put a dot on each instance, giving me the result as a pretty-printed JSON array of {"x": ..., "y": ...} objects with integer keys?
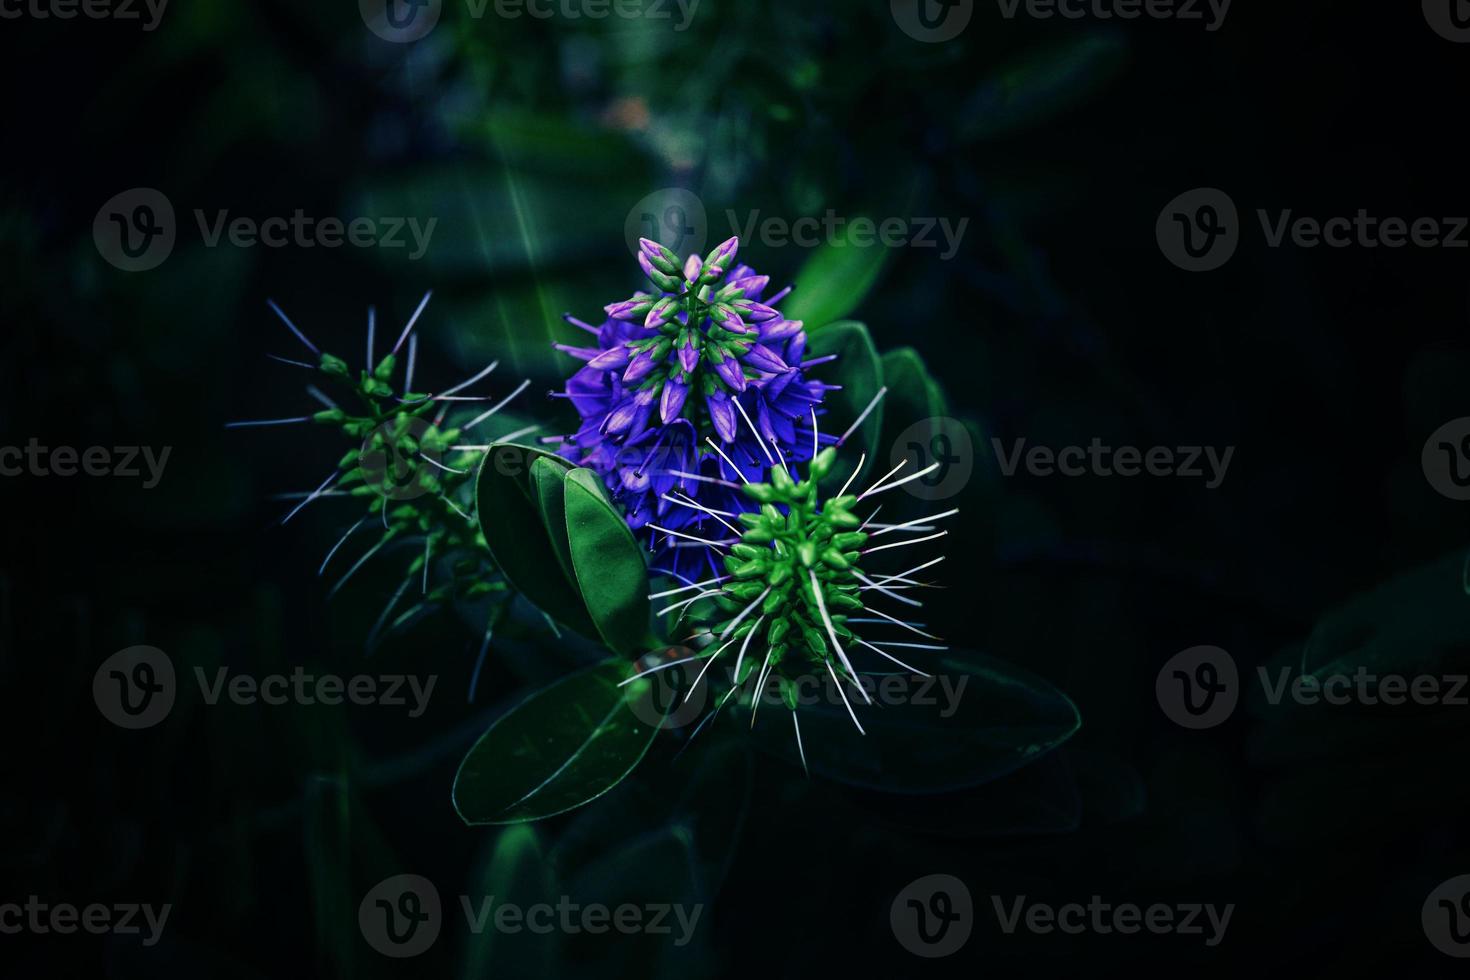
[
  {"x": 510, "y": 517},
  {"x": 562, "y": 747},
  {"x": 609, "y": 566}
]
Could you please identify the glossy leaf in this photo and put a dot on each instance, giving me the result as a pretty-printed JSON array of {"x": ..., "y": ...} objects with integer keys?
[
  {"x": 516, "y": 872},
  {"x": 562, "y": 747},
  {"x": 519, "y": 542},
  {"x": 1002, "y": 718},
  {"x": 610, "y": 570},
  {"x": 834, "y": 282},
  {"x": 548, "y": 481}
]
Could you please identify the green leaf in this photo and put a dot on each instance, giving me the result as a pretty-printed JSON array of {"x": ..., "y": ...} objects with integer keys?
[
  {"x": 609, "y": 564},
  {"x": 913, "y": 394},
  {"x": 547, "y": 480},
  {"x": 519, "y": 542},
  {"x": 561, "y": 748},
  {"x": 834, "y": 282},
  {"x": 1002, "y": 718},
  {"x": 516, "y": 873},
  {"x": 860, "y": 373}
]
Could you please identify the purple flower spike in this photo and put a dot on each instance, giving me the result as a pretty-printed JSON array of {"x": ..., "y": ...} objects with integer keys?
[{"x": 662, "y": 383}]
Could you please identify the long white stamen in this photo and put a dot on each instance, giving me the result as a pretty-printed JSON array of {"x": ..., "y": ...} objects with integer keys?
[
  {"x": 372, "y": 332},
  {"x": 259, "y": 422},
  {"x": 908, "y": 479},
  {"x": 428, "y": 546},
  {"x": 816, "y": 445},
  {"x": 745, "y": 612},
  {"x": 913, "y": 646},
  {"x": 758, "y": 440},
  {"x": 309, "y": 498},
  {"x": 726, "y": 459},
  {"x": 446, "y": 469},
  {"x": 740, "y": 657},
  {"x": 886, "y": 591},
  {"x": 692, "y": 585},
  {"x": 700, "y": 676},
  {"x": 413, "y": 357},
  {"x": 864, "y": 416},
  {"x": 292, "y": 327},
  {"x": 885, "y": 579},
  {"x": 321, "y": 396},
  {"x": 503, "y": 402},
  {"x": 684, "y": 602},
  {"x": 843, "y": 694},
  {"x": 653, "y": 670},
  {"x": 893, "y": 658},
  {"x": 832, "y": 631},
  {"x": 461, "y": 513},
  {"x": 465, "y": 384},
  {"x": 879, "y": 481},
  {"x": 340, "y": 542},
  {"x": 801, "y": 751},
  {"x": 864, "y": 526},
  {"x": 690, "y": 537},
  {"x": 853, "y": 476},
  {"x": 287, "y": 360},
  {"x": 760, "y": 686},
  {"x": 694, "y": 506},
  {"x": 907, "y": 626},
  {"x": 918, "y": 520},
  {"x": 701, "y": 479},
  {"x": 900, "y": 544},
  {"x": 503, "y": 439},
  {"x": 412, "y": 320},
  {"x": 353, "y": 570}
]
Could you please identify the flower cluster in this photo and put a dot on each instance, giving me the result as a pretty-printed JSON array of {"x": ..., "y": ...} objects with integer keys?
[{"x": 688, "y": 388}]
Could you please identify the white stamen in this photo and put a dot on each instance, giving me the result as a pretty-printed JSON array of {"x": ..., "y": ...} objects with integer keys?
[
  {"x": 700, "y": 479},
  {"x": 503, "y": 402},
  {"x": 885, "y": 528},
  {"x": 893, "y": 658},
  {"x": 446, "y": 469},
  {"x": 372, "y": 332},
  {"x": 684, "y": 602},
  {"x": 321, "y": 396},
  {"x": 653, "y": 670},
  {"x": 259, "y": 422},
  {"x": 340, "y": 542},
  {"x": 726, "y": 459},
  {"x": 908, "y": 479},
  {"x": 353, "y": 570},
  {"x": 841, "y": 693},
  {"x": 428, "y": 545},
  {"x": 690, "y": 537},
  {"x": 760, "y": 686},
  {"x": 885, "y": 579},
  {"x": 745, "y": 612},
  {"x": 292, "y": 327},
  {"x": 797, "y": 725},
  {"x": 816, "y": 445},
  {"x": 879, "y": 481},
  {"x": 287, "y": 360},
  {"x": 694, "y": 506},
  {"x": 700, "y": 676},
  {"x": 907, "y": 626},
  {"x": 832, "y": 631},
  {"x": 412, "y": 320},
  {"x": 853, "y": 476},
  {"x": 864, "y": 416},
  {"x": 886, "y": 591},
  {"x": 758, "y": 440},
  {"x": 740, "y": 657},
  {"x": 692, "y": 585},
  {"x": 413, "y": 357},
  {"x": 900, "y": 544},
  {"x": 479, "y": 377},
  {"x": 309, "y": 498}
]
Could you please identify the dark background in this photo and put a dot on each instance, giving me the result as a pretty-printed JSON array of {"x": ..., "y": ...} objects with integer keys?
[{"x": 1059, "y": 320}]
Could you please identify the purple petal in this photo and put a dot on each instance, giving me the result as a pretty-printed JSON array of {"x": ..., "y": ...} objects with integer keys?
[
  {"x": 731, "y": 372},
  {"x": 640, "y": 367},
  {"x": 688, "y": 356},
  {"x": 673, "y": 399},
  {"x": 762, "y": 358},
  {"x": 722, "y": 414},
  {"x": 611, "y": 359}
]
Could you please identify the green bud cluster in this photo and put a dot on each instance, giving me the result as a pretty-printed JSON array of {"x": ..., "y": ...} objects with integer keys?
[
  {"x": 793, "y": 539},
  {"x": 408, "y": 495}
]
